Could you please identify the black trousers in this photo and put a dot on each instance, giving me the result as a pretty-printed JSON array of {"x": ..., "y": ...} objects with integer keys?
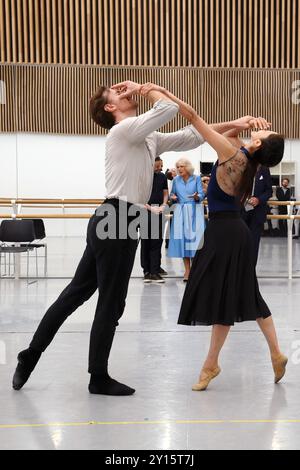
[
  {"x": 282, "y": 210},
  {"x": 283, "y": 228},
  {"x": 256, "y": 228},
  {"x": 151, "y": 247},
  {"x": 106, "y": 265}
]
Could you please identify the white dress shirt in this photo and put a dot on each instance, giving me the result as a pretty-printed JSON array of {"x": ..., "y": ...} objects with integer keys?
[{"x": 133, "y": 144}]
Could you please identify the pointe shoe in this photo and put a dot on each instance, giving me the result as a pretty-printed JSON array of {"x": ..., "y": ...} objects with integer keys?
[
  {"x": 209, "y": 374},
  {"x": 279, "y": 364}
]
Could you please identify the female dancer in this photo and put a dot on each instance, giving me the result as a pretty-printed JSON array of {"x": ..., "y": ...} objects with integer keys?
[{"x": 222, "y": 287}]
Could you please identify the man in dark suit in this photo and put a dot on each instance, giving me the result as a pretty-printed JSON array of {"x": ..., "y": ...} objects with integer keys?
[
  {"x": 283, "y": 193},
  {"x": 255, "y": 212},
  {"x": 151, "y": 245}
]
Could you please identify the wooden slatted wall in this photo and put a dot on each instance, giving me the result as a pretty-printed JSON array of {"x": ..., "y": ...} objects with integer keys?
[
  {"x": 54, "y": 99},
  {"x": 192, "y": 33},
  {"x": 227, "y": 57}
]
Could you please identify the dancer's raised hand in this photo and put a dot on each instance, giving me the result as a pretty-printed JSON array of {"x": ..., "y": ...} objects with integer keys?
[
  {"x": 260, "y": 123},
  {"x": 127, "y": 88},
  {"x": 243, "y": 123},
  {"x": 250, "y": 122}
]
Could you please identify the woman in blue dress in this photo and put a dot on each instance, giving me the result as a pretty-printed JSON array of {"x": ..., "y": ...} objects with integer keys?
[{"x": 187, "y": 226}]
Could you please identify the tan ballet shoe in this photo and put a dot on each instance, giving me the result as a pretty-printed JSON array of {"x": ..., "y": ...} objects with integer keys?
[
  {"x": 208, "y": 374},
  {"x": 279, "y": 364}
]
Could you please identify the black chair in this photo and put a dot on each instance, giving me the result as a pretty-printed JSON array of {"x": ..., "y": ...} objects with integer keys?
[
  {"x": 17, "y": 236},
  {"x": 40, "y": 234}
]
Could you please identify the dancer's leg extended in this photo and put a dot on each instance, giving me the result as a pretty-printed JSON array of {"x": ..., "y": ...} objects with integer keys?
[
  {"x": 267, "y": 327},
  {"x": 218, "y": 336},
  {"x": 279, "y": 361},
  {"x": 80, "y": 289},
  {"x": 211, "y": 367}
]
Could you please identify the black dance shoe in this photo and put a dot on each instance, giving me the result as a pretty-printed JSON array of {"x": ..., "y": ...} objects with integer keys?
[
  {"x": 105, "y": 385},
  {"x": 27, "y": 360}
]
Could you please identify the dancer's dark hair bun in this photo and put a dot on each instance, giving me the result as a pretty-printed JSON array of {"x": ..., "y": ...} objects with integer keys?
[
  {"x": 269, "y": 154},
  {"x": 271, "y": 151}
]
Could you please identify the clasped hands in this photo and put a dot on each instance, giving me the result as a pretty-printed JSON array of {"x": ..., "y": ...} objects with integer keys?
[
  {"x": 253, "y": 201},
  {"x": 155, "y": 209},
  {"x": 250, "y": 122},
  {"x": 129, "y": 88}
]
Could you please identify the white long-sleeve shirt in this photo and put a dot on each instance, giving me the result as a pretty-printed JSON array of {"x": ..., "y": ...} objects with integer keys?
[{"x": 133, "y": 144}]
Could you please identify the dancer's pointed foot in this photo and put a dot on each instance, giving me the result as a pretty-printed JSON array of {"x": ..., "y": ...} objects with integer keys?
[
  {"x": 206, "y": 376},
  {"x": 27, "y": 360},
  {"x": 105, "y": 385},
  {"x": 279, "y": 363}
]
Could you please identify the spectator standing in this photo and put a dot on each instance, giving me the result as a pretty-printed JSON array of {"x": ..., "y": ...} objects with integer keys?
[
  {"x": 256, "y": 209},
  {"x": 151, "y": 246},
  {"x": 283, "y": 193},
  {"x": 188, "y": 218}
]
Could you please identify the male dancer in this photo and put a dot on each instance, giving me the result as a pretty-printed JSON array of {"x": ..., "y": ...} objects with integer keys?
[{"x": 131, "y": 147}]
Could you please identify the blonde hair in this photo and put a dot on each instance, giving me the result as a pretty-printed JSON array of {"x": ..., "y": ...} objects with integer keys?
[{"x": 185, "y": 162}]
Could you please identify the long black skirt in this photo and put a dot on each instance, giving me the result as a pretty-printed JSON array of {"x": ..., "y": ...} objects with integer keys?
[{"x": 222, "y": 288}]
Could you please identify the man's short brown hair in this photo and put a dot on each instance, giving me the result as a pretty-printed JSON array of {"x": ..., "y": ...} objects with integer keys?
[{"x": 97, "y": 112}]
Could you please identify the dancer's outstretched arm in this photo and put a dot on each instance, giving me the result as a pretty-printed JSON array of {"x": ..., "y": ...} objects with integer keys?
[
  {"x": 224, "y": 148},
  {"x": 229, "y": 127},
  {"x": 188, "y": 138},
  {"x": 138, "y": 128},
  {"x": 128, "y": 88}
]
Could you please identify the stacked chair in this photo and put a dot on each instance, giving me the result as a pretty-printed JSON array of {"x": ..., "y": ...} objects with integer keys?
[{"x": 19, "y": 236}]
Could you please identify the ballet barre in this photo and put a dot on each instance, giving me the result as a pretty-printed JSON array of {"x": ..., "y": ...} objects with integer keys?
[{"x": 41, "y": 203}]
